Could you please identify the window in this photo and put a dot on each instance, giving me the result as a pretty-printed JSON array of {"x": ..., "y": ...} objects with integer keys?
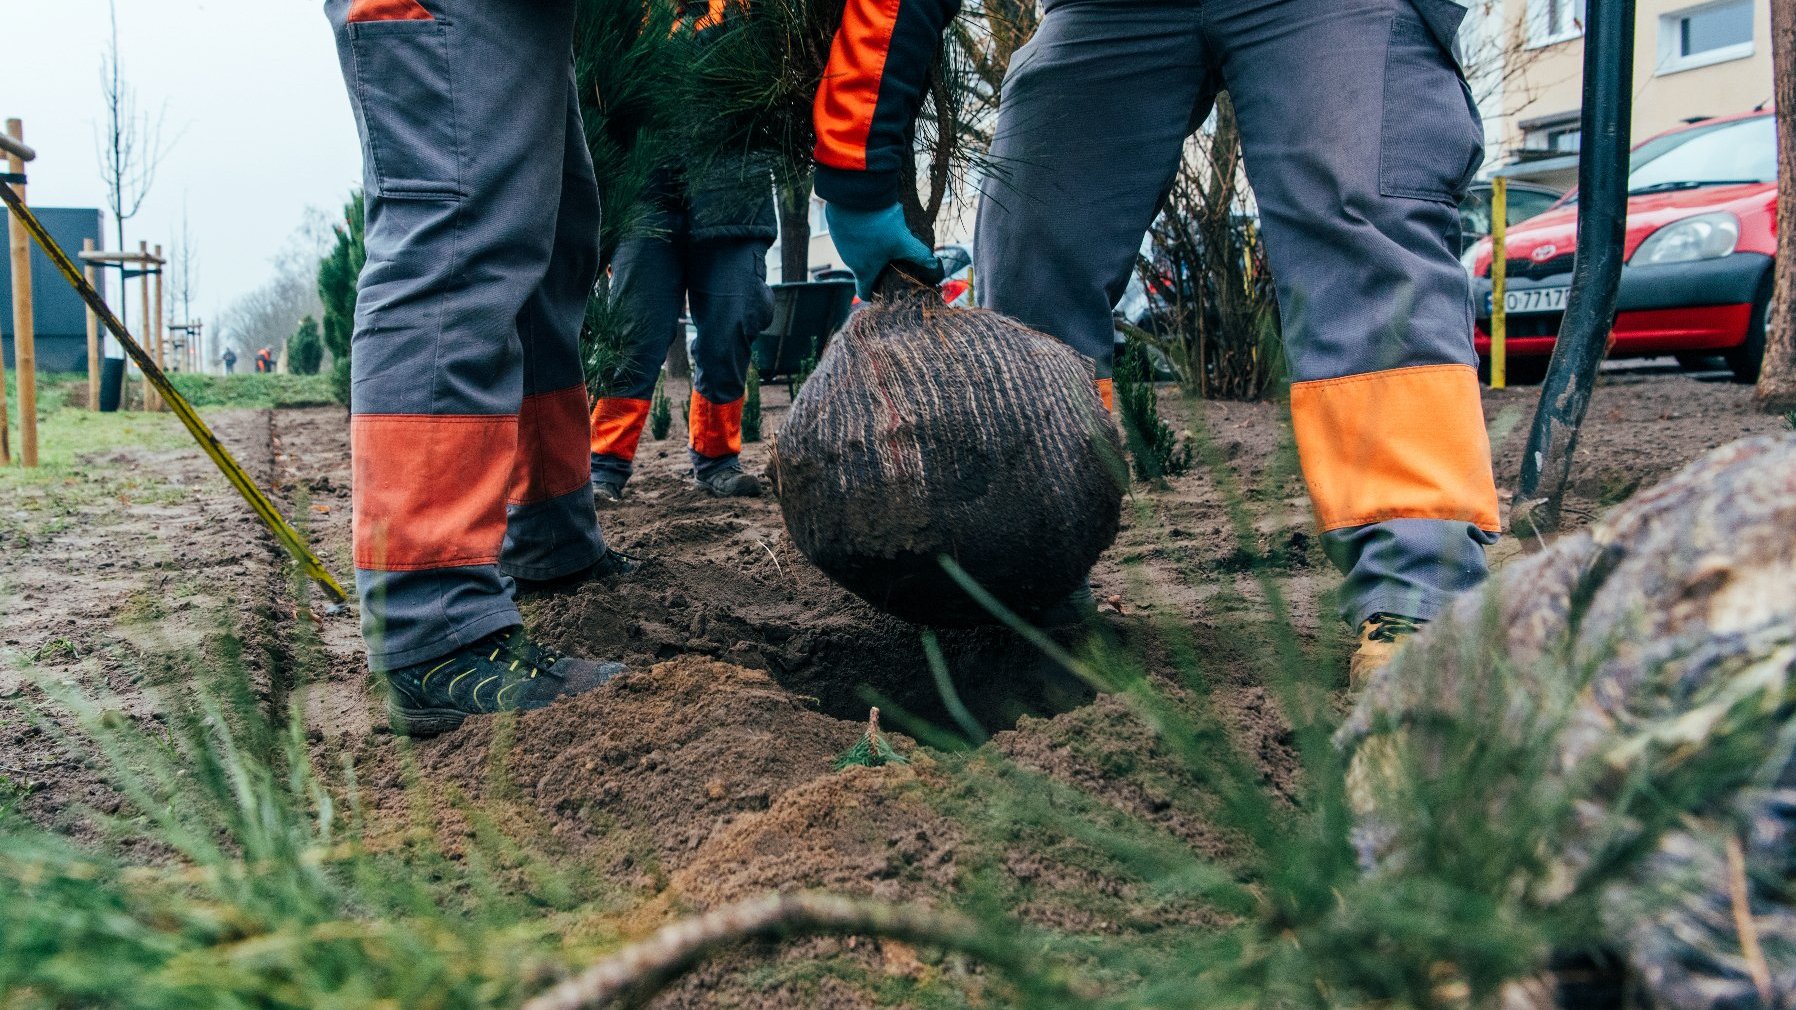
[
  {"x": 1551, "y": 21},
  {"x": 1701, "y": 36},
  {"x": 819, "y": 221},
  {"x": 1556, "y": 134}
]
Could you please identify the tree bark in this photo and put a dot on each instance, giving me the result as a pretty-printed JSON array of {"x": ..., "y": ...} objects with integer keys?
[
  {"x": 794, "y": 192},
  {"x": 1777, "y": 376}
]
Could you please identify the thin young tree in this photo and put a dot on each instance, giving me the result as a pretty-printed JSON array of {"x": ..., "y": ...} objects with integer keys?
[
  {"x": 1777, "y": 375},
  {"x": 130, "y": 148},
  {"x": 183, "y": 282}
]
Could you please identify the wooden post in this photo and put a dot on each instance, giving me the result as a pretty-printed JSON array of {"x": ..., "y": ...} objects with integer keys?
[
  {"x": 144, "y": 331},
  {"x": 24, "y": 338},
  {"x": 93, "y": 336},
  {"x": 161, "y": 354},
  {"x": 1777, "y": 374}
]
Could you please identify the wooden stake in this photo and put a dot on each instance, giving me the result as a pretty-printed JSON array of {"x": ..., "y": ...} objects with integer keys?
[
  {"x": 93, "y": 338},
  {"x": 161, "y": 351},
  {"x": 24, "y": 337},
  {"x": 145, "y": 333}
]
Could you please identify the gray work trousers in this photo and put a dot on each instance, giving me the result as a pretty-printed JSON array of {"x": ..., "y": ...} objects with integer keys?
[
  {"x": 468, "y": 429},
  {"x": 724, "y": 280},
  {"x": 1359, "y": 137}
]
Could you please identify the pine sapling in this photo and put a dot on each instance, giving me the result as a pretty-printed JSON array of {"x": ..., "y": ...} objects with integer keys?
[
  {"x": 872, "y": 750},
  {"x": 1153, "y": 445},
  {"x": 796, "y": 380},
  {"x": 660, "y": 414},
  {"x": 751, "y": 407}
]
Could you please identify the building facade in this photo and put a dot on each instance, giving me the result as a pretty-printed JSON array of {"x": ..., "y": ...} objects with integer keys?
[
  {"x": 58, "y": 312},
  {"x": 1692, "y": 59}
]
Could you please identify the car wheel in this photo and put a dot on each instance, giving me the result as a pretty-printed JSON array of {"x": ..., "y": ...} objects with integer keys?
[{"x": 1745, "y": 359}]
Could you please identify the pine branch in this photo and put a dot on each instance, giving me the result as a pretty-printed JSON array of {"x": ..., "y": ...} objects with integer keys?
[{"x": 636, "y": 974}]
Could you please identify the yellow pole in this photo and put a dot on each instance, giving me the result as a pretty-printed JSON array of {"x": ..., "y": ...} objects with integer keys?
[
  {"x": 1499, "y": 278},
  {"x": 24, "y": 335},
  {"x": 93, "y": 336}
]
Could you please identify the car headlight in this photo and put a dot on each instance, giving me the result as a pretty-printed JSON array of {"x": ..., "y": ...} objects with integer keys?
[
  {"x": 1469, "y": 258},
  {"x": 1703, "y": 237}
]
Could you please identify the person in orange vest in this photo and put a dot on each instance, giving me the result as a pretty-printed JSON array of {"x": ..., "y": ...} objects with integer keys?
[
  {"x": 1360, "y": 136},
  {"x": 265, "y": 360},
  {"x": 468, "y": 427}
]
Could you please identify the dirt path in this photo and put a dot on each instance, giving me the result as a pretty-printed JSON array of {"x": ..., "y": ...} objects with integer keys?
[{"x": 704, "y": 775}]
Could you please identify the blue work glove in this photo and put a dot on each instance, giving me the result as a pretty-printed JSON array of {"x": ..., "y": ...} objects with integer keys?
[{"x": 870, "y": 240}]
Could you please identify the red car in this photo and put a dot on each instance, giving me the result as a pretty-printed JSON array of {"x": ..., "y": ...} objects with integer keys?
[{"x": 1702, "y": 228}]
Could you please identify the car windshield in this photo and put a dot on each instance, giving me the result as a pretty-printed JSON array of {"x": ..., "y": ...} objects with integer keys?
[{"x": 1744, "y": 150}]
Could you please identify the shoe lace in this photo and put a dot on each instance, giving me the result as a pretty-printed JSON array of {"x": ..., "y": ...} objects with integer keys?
[
  {"x": 527, "y": 658},
  {"x": 1390, "y": 627}
]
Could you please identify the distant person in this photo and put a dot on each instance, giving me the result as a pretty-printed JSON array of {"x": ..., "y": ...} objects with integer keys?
[
  {"x": 265, "y": 360},
  {"x": 230, "y": 360}
]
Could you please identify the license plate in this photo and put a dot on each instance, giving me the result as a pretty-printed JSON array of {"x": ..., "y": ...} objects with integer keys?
[{"x": 1530, "y": 301}]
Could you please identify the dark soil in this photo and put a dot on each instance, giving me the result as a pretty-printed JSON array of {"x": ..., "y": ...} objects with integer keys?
[{"x": 704, "y": 775}]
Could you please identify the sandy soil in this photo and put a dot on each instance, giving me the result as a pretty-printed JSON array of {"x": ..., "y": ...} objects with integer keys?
[{"x": 704, "y": 775}]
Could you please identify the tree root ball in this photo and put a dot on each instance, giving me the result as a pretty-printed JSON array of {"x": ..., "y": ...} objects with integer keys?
[{"x": 926, "y": 432}]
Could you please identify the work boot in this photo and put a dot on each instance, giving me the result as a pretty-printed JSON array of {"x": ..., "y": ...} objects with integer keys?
[
  {"x": 607, "y": 492},
  {"x": 503, "y": 672},
  {"x": 1379, "y": 639},
  {"x": 609, "y": 564},
  {"x": 728, "y": 481}
]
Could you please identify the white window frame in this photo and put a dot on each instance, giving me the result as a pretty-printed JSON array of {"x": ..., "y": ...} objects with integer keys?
[
  {"x": 1671, "y": 61},
  {"x": 1541, "y": 34}
]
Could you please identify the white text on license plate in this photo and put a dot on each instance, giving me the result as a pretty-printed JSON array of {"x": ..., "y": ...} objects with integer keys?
[{"x": 1531, "y": 300}]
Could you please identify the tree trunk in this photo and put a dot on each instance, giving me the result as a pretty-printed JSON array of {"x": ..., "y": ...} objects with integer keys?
[
  {"x": 1777, "y": 376},
  {"x": 794, "y": 191}
]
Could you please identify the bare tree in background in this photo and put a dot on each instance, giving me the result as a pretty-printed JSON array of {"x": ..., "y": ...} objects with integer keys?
[
  {"x": 183, "y": 282},
  {"x": 270, "y": 314},
  {"x": 130, "y": 150},
  {"x": 1777, "y": 375}
]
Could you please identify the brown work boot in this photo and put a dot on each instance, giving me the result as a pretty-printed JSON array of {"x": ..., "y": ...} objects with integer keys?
[{"x": 1379, "y": 639}]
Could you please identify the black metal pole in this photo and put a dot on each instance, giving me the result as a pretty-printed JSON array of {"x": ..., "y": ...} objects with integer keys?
[{"x": 1596, "y": 275}]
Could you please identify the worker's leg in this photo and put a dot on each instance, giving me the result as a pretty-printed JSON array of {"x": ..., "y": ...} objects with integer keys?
[
  {"x": 647, "y": 289},
  {"x": 1096, "y": 110},
  {"x": 1359, "y": 138},
  {"x": 731, "y": 304},
  {"x": 551, "y": 529},
  {"x": 462, "y": 108}
]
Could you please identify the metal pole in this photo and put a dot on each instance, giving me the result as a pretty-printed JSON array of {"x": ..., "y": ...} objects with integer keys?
[
  {"x": 1499, "y": 282},
  {"x": 24, "y": 334},
  {"x": 1596, "y": 275}
]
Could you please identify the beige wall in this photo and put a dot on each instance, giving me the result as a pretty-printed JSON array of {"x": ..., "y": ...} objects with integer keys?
[{"x": 1548, "y": 80}]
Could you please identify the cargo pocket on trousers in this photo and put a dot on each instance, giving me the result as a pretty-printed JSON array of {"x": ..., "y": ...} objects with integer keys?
[
  {"x": 1432, "y": 140},
  {"x": 405, "y": 94}
]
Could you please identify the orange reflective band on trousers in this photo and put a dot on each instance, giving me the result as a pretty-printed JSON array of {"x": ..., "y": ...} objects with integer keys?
[
  {"x": 716, "y": 427},
  {"x": 1408, "y": 443},
  {"x": 552, "y": 455},
  {"x": 843, "y": 110},
  {"x": 1107, "y": 393},
  {"x": 388, "y": 10},
  {"x": 617, "y": 426},
  {"x": 430, "y": 490}
]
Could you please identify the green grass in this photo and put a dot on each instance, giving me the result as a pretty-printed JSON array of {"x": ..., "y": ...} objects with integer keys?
[{"x": 255, "y": 390}]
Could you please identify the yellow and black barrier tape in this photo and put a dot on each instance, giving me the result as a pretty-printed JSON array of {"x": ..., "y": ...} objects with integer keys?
[{"x": 265, "y": 509}]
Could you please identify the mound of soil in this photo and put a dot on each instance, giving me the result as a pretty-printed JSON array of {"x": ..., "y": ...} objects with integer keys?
[{"x": 667, "y": 755}]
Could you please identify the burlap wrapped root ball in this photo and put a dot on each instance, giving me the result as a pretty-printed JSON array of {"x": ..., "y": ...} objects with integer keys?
[{"x": 927, "y": 431}]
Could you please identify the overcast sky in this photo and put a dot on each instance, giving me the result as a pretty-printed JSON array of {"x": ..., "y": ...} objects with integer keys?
[{"x": 257, "y": 123}]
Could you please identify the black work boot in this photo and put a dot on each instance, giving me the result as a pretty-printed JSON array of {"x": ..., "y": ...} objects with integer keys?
[
  {"x": 728, "y": 481},
  {"x": 606, "y": 491},
  {"x": 503, "y": 672},
  {"x": 609, "y": 564}
]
